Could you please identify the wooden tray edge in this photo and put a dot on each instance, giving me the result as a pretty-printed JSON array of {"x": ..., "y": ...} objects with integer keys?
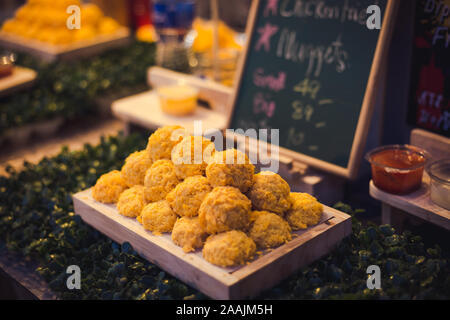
[
  {"x": 213, "y": 285},
  {"x": 307, "y": 248},
  {"x": 50, "y": 52},
  {"x": 246, "y": 281}
]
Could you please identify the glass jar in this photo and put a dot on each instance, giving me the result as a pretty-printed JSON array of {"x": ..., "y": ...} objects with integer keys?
[
  {"x": 439, "y": 172},
  {"x": 173, "y": 21}
]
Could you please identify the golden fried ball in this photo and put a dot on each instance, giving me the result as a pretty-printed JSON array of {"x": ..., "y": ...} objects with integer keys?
[
  {"x": 162, "y": 141},
  {"x": 187, "y": 196},
  {"x": 135, "y": 167},
  {"x": 23, "y": 13},
  {"x": 229, "y": 248},
  {"x": 57, "y": 18},
  {"x": 305, "y": 211},
  {"x": 191, "y": 155},
  {"x": 224, "y": 209},
  {"x": 33, "y": 30},
  {"x": 58, "y": 3},
  {"x": 91, "y": 14},
  {"x": 270, "y": 192},
  {"x": 62, "y": 36},
  {"x": 230, "y": 168},
  {"x": 158, "y": 217},
  {"x": 188, "y": 233},
  {"x": 9, "y": 25},
  {"x": 253, "y": 215},
  {"x": 85, "y": 33},
  {"x": 159, "y": 180},
  {"x": 108, "y": 187},
  {"x": 108, "y": 25},
  {"x": 131, "y": 201},
  {"x": 269, "y": 230}
]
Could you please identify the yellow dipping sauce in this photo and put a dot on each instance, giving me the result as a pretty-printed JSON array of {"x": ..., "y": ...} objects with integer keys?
[{"x": 178, "y": 100}]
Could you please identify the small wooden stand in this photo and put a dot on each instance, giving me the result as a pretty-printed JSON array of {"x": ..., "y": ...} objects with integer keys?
[
  {"x": 215, "y": 94},
  {"x": 219, "y": 283},
  {"x": 144, "y": 109},
  {"x": 418, "y": 203},
  {"x": 21, "y": 78},
  {"x": 48, "y": 52}
]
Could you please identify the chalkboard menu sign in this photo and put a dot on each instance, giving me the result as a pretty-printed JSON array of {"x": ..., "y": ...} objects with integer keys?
[
  {"x": 311, "y": 69},
  {"x": 430, "y": 72}
]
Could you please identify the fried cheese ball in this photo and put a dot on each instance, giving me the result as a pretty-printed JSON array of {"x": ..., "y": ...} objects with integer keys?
[
  {"x": 191, "y": 155},
  {"x": 230, "y": 168},
  {"x": 188, "y": 234},
  {"x": 131, "y": 201},
  {"x": 270, "y": 193},
  {"x": 305, "y": 211},
  {"x": 162, "y": 141},
  {"x": 159, "y": 180},
  {"x": 135, "y": 167},
  {"x": 269, "y": 230},
  {"x": 228, "y": 249},
  {"x": 187, "y": 196},
  {"x": 108, "y": 187},
  {"x": 158, "y": 217},
  {"x": 254, "y": 215},
  {"x": 224, "y": 209},
  {"x": 91, "y": 14}
]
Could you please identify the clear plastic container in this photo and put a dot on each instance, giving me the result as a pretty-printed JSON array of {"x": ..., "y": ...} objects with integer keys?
[
  {"x": 178, "y": 100},
  {"x": 397, "y": 169},
  {"x": 227, "y": 64},
  {"x": 439, "y": 173}
]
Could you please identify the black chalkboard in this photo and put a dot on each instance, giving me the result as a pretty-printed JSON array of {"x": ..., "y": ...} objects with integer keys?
[
  {"x": 429, "y": 105},
  {"x": 305, "y": 72}
]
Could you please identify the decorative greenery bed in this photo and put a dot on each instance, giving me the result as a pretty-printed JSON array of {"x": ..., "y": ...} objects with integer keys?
[
  {"x": 37, "y": 219},
  {"x": 69, "y": 89}
]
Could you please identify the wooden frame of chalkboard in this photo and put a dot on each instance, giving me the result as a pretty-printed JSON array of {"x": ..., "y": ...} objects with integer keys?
[{"x": 372, "y": 89}]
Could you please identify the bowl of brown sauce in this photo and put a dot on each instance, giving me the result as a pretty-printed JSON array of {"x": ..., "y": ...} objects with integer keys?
[{"x": 397, "y": 169}]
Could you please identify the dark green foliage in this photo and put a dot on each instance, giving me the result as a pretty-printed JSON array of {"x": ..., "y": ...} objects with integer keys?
[
  {"x": 37, "y": 219},
  {"x": 68, "y": 89}
]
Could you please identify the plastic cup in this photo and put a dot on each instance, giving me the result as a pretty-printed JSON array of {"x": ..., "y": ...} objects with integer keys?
[{"x": 397, "y": 169}]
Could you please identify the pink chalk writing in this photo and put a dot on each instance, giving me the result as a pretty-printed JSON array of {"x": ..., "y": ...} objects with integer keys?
[
  {"x": 275, "y": 83},
  {"x": 272, "y": 7},
  {"x": 261, "y": 105},
  {"x": 266, "y": 33}
]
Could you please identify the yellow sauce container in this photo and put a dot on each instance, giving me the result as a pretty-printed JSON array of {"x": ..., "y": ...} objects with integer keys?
[{"x": 178, "y": 100}]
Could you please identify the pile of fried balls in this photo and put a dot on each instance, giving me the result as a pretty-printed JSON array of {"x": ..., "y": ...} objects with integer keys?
[{"x": 181, "y": 184}]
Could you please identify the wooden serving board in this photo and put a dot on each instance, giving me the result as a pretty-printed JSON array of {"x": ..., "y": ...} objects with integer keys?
[
  {"x": 49, "y": 52},
  {"x": 219, "y": 283},
  {"x": 19, "y": 79}
]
